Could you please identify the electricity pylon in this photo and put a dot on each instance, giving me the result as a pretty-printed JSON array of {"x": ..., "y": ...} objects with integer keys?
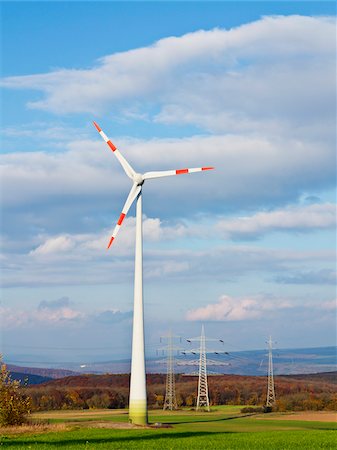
[
  {"x": 170, "y": 401},
  {"x": 202, "y": 400},
  {"x": 271, "y": 389}
]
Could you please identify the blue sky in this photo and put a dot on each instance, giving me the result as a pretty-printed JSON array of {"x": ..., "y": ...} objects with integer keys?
[{"x": 248, "y": 249}]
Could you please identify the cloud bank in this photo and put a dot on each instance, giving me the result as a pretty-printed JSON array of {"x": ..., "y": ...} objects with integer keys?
[
  {"x": 293, "y": 219},
  {"x": 260, "y": 94},
  {"x": 248, "y": 308},
  {"x": 227, "y": 75},
  {"x": 232, "y": 309},
  {"x": 59, "y": 313}
]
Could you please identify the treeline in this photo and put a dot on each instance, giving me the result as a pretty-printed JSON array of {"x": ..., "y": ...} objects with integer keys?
[{"x": 111, "y": 391}]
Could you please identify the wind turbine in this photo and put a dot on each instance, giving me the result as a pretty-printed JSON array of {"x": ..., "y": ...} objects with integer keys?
[{"x": 137, "y": 398}]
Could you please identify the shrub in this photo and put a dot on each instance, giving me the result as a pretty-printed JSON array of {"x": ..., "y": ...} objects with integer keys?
[
  {"x": 252, "y": 409},
  {"x": 14, "y": 405}
]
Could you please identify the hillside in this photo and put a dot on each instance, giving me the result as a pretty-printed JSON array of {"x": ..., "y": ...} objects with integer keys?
[
  {"x": 40, "y": 371},
  {"x": 122, "y": 380},
  {"x": 111, "y": 391},
  {"x": 26, "y": 378},
  {"x": 329, "y": 377}
]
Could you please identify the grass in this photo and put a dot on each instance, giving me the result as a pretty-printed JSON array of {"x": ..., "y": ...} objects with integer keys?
[
  {"x": 155, "y": 439},
  {"x": 223, "y": 428}
]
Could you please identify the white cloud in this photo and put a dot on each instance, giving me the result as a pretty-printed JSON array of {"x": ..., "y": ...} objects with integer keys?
[
  {"x": 58, "y": 312},
  {"x": 82, "y": 258},
  {"x": 59, "y": 244},
  {"x": 86, "y": 178},
  {"x": 82, "y": 246},
  {"x": 45, "y": 315},
  {"x": 230, "y": 309},
  {"x": 18, "y": 318},
  {"x": 295, "y": 218},
  {"x": 254, "y": 86},
  {"x": 210, "y": 71}
]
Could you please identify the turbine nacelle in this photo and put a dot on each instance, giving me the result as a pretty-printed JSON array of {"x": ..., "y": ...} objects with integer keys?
[{"x": 138, "y": 179}]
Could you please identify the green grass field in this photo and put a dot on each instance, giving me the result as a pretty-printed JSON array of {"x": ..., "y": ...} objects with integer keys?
[{"x": 223, "y": 428}]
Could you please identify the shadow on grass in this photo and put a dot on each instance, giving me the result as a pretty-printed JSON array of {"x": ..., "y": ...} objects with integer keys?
[
  {"x": 105, "y": 439},
  {"x": 221, "y": 419}
]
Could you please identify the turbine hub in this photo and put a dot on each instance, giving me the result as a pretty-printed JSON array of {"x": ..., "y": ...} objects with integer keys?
[{"x": 138, "y": 178}]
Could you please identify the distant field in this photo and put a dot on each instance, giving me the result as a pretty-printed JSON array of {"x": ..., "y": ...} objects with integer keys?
[{"x": 223, "y": 428}]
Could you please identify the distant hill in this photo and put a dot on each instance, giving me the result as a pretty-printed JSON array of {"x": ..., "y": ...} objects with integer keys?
[
  {"x": 328, "y": 377},
  {"x": 112, "y": 391},
  {"x": 250, "y": 362},
  {"x": 94, "y": 381},
  {"x": 122, "y": 380},
  {"x": 28, "y": 379},
  {"x": 42, "y": 372}
]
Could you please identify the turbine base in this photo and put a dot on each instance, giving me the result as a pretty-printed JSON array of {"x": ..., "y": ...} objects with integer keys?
[{"x": 138, "y": 412}]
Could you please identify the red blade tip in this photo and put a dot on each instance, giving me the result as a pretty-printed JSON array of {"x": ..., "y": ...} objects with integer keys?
[
  {"x": 111, "y": 241},
  {"x": 97, "y": 127},
  {"x": 110, "y": 144},
  {"x": 207, "y": 168}
]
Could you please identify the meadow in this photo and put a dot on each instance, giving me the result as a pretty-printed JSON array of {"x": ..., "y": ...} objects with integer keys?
[{"x": 223, "y": 428}]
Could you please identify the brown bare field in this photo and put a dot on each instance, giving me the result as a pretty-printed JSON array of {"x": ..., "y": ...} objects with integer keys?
[
  {"x": 34, "y": 428},
  {"x": 87, "y": 414},
  {"x": 112, "y": 425},
  {"x": 310, "y": 416}
]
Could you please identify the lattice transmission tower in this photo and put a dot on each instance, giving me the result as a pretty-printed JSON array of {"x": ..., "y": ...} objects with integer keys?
[
  {"x": 203, "y": 362},
  {"x": 203, "y": 399},
  {"x": 271, "y": 388},
  {"x": 170, "y": 401}
]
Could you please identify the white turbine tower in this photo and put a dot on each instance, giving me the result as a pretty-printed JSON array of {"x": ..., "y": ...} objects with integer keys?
[{"x": 137, "y": 398}]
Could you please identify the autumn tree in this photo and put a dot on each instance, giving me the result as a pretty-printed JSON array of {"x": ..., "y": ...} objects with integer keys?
[{"x": 14, "y": 405}]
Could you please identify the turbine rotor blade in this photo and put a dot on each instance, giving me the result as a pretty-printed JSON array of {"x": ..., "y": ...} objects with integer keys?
[
  {"x": 126, "y": 166},
  {"x": 169, "y": 173},
  {"x": 135, "y": 190}
]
